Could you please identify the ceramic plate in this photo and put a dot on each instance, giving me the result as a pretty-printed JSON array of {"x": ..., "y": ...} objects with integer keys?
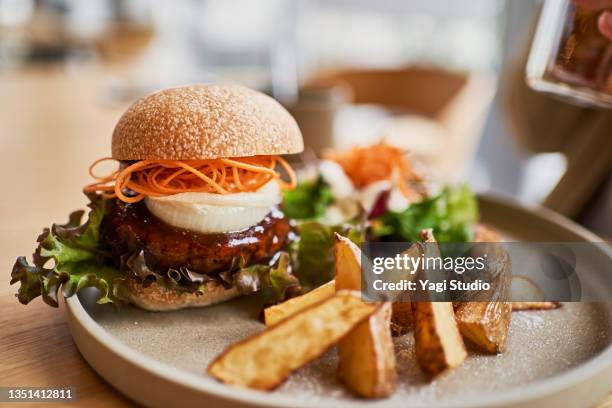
[{"x": 561, "y": 357}]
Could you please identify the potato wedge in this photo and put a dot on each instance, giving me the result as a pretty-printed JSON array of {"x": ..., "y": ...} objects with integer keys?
[
  {"x": 264, "y": 360},
  {"x": 366, "y": 355},
  {"x": 401, "y": 316},
  {"x": 367, "y": 358},
  {"x": 518, "y": 306},
  {"x": 485, "y": 324},
  {"x": 438, "y": 344},
  {"x": 348, "y": 264},
  {"x": 276, "y": 313}
]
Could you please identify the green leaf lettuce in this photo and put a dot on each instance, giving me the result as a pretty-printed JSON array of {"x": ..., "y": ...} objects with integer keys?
[
  {"x": 451, "y": 214},
  {"x": 76, "y": 261},
  {"x": 275, "y": 280},
  {"x": 313, "y": 252},
  {"x": 308, "y": 200}
]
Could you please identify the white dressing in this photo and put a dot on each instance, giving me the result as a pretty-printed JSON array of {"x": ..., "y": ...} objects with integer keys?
[{"x": 341, "y": 186}]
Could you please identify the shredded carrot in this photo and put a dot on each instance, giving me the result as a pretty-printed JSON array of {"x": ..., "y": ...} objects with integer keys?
[
  {"x": 365, "y": 165},
  {"x": 135, "y": 181}
]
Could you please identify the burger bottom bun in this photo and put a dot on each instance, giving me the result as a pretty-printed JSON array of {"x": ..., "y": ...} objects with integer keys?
[{"x": 158, "y": 299}]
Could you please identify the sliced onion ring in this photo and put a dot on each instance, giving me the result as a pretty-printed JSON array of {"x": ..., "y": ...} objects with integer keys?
[{"x": 215, "y": 213}]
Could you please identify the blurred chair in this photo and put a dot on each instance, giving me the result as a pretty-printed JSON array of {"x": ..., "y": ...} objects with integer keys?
[{"x": 445, "y": 108}]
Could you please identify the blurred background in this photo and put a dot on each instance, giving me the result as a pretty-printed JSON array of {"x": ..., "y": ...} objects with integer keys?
[{"x": 443, "y": 79}]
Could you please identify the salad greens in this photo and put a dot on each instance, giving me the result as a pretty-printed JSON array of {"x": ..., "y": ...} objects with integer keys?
[
  {"x": 313, "y": 252},
  {"x": 451, "y": 214},
  {"x": 308, "y": 200}
]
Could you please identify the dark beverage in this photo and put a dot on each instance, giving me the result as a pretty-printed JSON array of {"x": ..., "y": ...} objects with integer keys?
[
  {"x": 570, "y": 59},
  {"x": 584, "y": 57}
]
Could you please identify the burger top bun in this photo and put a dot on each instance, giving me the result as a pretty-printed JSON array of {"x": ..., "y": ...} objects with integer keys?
[{"x": 202, "y": 121}]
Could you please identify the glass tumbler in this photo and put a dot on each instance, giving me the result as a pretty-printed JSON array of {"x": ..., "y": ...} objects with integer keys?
[{"x": 569, "y": 58}]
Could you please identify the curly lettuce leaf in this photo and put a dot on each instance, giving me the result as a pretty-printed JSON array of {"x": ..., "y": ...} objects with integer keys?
[
  {"x": 313, "y": 252},
  {"x": 76, "y": 261},
  {"x": 276, "y": 281},
  {"x": 308, "y": 200},
  {"x": 451, "y": 214}
]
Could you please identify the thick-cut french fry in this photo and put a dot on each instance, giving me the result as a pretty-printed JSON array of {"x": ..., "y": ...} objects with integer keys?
[
  {"x": 485, "y": 324},
  {"x": 366, "y": 355},
  {"x": 438, "y": 343},
  {"x": 265, "y": 360},
  {"x": 518, "y": 306},
  {"x": 276, "y": 313}
]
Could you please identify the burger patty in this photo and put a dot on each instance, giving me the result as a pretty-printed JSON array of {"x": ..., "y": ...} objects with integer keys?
[{"x": 131, "y": 228}]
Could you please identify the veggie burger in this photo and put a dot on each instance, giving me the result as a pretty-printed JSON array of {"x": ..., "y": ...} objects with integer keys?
[{"x": 190, "y": 216}]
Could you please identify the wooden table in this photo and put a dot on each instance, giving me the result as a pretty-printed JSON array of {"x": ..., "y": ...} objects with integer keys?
[{"x": 53, "y": 126}]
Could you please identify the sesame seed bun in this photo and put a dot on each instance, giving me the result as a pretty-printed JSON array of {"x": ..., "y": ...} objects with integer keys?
[
  {"x": 158, "y": 299},
  {"x": 205, "y": 122}
]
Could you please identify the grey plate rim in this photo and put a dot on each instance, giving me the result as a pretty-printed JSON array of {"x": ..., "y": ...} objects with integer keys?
[{"x": 85, "y": 330}]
